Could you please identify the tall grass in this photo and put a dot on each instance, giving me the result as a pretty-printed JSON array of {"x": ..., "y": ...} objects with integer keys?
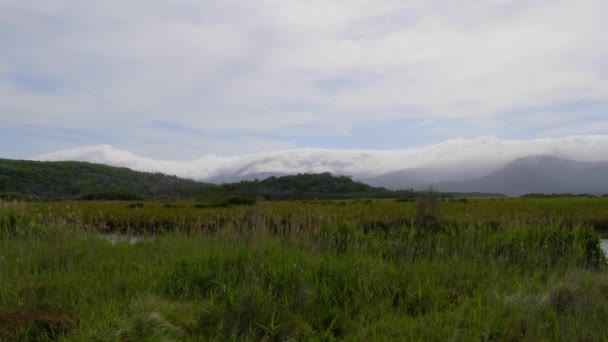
[
  {"x": 310, "y": 215},
  {"x": 249, "y": 280}
]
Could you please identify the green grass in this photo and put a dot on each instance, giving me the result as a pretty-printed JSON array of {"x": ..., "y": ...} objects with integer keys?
[
  {"x": 310, "y": 215},
  {"x": 330, "y": 279}
]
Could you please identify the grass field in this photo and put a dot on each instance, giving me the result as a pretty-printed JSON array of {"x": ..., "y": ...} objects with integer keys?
[{"x": 489, "y": 270}]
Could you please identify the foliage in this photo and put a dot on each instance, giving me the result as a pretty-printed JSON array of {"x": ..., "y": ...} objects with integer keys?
[
  {"x": 31, "y": 180},
  {"x": 311, "y": 186},
  {"x": 71, "y": 180}
]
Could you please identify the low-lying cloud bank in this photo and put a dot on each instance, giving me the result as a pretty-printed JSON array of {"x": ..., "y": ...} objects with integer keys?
[{"x": 467, "y": 158}]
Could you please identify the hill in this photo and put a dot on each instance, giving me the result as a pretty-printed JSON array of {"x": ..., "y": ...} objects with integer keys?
[
  {"x": 539, "y": 174},
  {"x": 309, "y": 186},
  {"x": 74, "y": 180},
  {"x": 82, "y": 180}
]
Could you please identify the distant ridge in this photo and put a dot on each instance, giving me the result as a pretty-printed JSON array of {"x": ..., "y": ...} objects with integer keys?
[
  {"x": 539, "y": 174},
  {"x": 421, "y": 178},
  {"x": 563, "y": 165},
  {"x": 416, "y": 167}
]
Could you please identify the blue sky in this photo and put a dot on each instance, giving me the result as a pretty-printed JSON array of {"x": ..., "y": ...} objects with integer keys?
[{"x": 185, "y": 79}]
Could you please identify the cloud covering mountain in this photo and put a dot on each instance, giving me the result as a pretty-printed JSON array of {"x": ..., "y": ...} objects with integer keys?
[
  {"x": 538, "y": 174},
  {"x": 447, "y": 161}
]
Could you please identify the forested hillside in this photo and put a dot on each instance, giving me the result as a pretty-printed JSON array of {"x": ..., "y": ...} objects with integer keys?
[
  {"x": 74, "y": 180},
  {"x": 22, "y": 179}
]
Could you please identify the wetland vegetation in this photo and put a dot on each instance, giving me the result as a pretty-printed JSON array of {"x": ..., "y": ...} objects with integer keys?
[{"x": 479, "y": 269}]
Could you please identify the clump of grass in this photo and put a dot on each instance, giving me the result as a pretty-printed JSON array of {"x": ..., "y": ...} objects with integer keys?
[
  {"x": 14, "y": 223},
  {"x": 579, "y": 290},
  {"x": 157, "y": 319},
  {"x": 427, "y": 210}
]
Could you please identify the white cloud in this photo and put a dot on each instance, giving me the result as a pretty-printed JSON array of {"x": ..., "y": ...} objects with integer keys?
[
  {"x": 472, "y": 157},
  {"x": 256, "y": 66}
]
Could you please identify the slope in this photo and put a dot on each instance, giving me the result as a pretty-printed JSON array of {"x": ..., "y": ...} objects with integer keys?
[
  {"x": 71, "y": 180},
  {"x": 539, "y": 174}
]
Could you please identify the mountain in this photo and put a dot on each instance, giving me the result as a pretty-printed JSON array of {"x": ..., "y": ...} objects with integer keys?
[
  {"x": 538, "y": 174},
  {"x": 71, "y": 180},
  {"x": 422, "y": 178},
  {"x": 483, "y": 164},
  {"x": 451, "y": 160}
]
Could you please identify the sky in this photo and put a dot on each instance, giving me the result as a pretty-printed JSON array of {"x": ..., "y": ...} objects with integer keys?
[{"x": 187, "y": 79}]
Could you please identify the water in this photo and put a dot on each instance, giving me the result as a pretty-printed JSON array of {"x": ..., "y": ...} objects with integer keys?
[
  {"x": 132, "y": 239},
  {"x": 604, "y": 245}
]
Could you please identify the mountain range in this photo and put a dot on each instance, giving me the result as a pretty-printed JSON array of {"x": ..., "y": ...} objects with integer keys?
[
  {"x": 535, "y": 174},
  {"x": 576, "y": 164}
]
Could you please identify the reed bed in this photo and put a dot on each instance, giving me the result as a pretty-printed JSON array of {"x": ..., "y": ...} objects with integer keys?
[{"x": 293, "y": 271}]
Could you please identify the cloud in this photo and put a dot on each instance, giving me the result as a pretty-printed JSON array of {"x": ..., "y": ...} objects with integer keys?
[
  {"x": 472, "y": 157},
  {"x": 258, "y": 69}
]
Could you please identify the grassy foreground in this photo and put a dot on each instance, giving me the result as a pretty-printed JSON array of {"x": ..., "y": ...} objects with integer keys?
[{"x": 334, "y": 282}]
